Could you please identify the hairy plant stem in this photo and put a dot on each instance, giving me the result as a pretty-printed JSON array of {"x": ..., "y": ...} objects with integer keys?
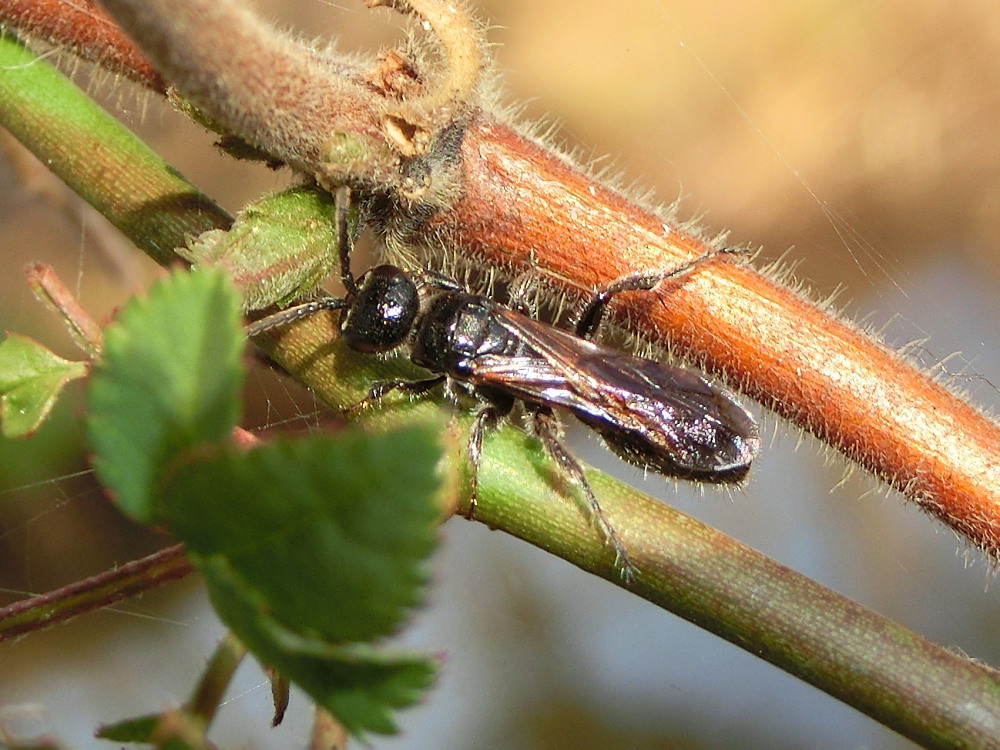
[{"x": 84, "y": 29}]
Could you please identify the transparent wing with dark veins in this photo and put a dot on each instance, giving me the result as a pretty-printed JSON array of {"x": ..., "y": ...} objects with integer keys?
[{"x": 667, "y": 419}]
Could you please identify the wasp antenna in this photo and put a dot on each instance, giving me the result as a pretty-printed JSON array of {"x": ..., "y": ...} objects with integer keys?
[
  {"x": 341, "y": 203},
  {"x": 290, "y": 315}
]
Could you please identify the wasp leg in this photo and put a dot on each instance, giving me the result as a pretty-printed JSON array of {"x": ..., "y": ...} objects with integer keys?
[
  {"x": 499, "y": 406},
  {"x": 549, "y": 431},
  {"x": 436, "y": 280},
  {"x": 382, "y": 387},
  {"x": 638, "y": 281}
]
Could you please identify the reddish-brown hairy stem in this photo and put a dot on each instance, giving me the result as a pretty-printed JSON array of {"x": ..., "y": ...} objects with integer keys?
[
  {"x": 304, "y": 108},
  {"x": 522, "y": 207},
  {"x": 85, "y": 30}
]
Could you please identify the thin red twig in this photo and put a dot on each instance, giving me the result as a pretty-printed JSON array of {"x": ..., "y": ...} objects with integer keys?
[{"x": 40, "y": 611}]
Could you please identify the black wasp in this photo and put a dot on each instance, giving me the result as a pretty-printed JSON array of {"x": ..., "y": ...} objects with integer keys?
[{"x": 666, "y": 419}]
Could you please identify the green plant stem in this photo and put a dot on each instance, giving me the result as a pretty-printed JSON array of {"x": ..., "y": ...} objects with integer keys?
[
  {"x": 929, "y": 694},
  {"x": 99, "y": 158},
  {"x": 933, "y": 696},
  {"x": 204, "y": 701}
]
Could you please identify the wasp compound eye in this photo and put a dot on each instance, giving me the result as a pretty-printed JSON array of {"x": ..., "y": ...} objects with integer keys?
[{"x": 382, "y": 314}]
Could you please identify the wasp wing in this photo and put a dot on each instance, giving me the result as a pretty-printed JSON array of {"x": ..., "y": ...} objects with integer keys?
[{"x": 660, "y": 417}]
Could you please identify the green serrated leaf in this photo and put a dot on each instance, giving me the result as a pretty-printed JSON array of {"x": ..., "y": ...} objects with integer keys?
[
  {"x": 332, "y": 531},
  {"x": 169, "y": 381},
  {"x": 314, "y": 546},
  {"x": 356, "y": 683},
  {"x": 31, "y": 378}
]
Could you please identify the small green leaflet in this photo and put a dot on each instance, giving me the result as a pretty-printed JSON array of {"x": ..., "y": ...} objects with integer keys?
[
  {"x": 311, "y": 549},
  {"x": 169, "y": 382},
  {"x": 31, "y": 378},
  {"x": 315, "y": 548},
  {"x": 130, "y": 730},
  {"x": 172, "y": 730}
]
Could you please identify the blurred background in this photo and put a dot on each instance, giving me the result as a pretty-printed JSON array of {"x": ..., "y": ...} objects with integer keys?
[{"x": 857, "y": 139}]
